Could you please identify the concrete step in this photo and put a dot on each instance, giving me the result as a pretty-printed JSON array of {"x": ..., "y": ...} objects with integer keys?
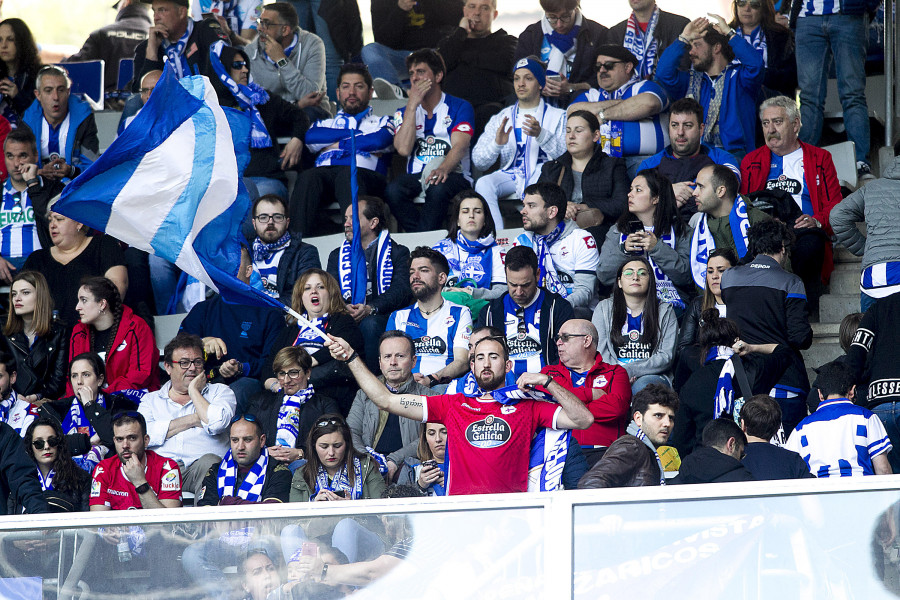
[
  {"x": 821, "y": 352},
  {"x": 825, "y": 331},
  {"x": 834, "y": 307},
  {"x": 844, "y": 281},
  {"x": 842, "y": 255}
]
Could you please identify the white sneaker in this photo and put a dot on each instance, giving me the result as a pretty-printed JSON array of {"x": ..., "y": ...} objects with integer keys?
[{"x": 385, "y": 90}]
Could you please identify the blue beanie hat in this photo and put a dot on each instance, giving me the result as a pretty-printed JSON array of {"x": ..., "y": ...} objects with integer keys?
[{"x": 536, "y": 68}]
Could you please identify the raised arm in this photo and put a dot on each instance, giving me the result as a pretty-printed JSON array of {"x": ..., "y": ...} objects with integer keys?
[
  {"x": 574, "y": 415},
  {"x": 410, "y": 406}
]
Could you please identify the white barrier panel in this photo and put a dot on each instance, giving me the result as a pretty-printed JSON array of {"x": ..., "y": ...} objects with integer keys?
[{"x": 797, "y": 540}]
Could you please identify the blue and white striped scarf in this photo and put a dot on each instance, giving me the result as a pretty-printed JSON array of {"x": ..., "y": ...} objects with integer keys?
[
  {"x": 289, "y": 417},
  {"x": 637, "y": 432},
  {"x": 725, "y": 384},
  {"x": 702, "y": 242},
  {"x": 341, "y": 481},
  {"x": 252, "y": 487},
  {"x": 642, "y": 44},
  {"x": 384, "y": 266},
  {"x": 247, "y": 96},
  {"x": 547, "y": 277},
  {"x": 175, "y": 52},
  {"x": 549, "y": 450},
  {"x": 76, "y": 420},
  {"x": 46, "y": 482}
]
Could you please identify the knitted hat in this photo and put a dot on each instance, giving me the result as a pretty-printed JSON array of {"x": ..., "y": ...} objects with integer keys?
[{"x": 533, "y": 65}]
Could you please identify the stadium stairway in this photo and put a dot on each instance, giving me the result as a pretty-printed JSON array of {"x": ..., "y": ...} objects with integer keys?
[{"x": 842, "y": 298}]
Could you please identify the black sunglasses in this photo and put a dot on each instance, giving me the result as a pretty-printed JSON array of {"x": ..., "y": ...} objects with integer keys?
[
  {"x": 52, "y": 442},
  {"x": 239, "y": 64},
  {"x": 328, "y": 422}
]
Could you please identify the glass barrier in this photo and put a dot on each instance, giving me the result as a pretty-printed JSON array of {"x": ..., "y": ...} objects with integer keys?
[{"x": 836, "y": 539}]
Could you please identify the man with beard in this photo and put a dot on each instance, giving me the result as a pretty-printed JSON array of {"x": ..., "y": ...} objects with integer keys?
[
  {"x": 686, "y": 155},
  {"x": 727, "y": 90},
  {"x": 488, "y": 432},
  {"x": 280, "y": 257},
  {"x": 331, "y": 139},
  {"x": 439, "y": 328},
  {"x": 805, "y": 172}
]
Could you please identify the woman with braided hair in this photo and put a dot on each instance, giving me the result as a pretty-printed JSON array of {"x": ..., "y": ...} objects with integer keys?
[{"x": 122, "y": 339}]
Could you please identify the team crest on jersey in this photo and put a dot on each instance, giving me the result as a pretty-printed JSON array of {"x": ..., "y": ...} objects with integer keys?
[
  {"x": 490, "y": 432},
  {"x": 122, "y": 346},
  {"x": 600, "y": 382},
  {"x": 448, "y": 120},
  {"x": 449, "y": 321}
]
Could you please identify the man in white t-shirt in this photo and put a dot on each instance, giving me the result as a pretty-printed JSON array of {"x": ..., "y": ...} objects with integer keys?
[
  {"x": 805, "y": 172},
  {"x": 567, "y": 256},
  {"x": 440, "y": 329}
]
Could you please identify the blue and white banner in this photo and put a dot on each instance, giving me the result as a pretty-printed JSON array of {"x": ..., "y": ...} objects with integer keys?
[{"x": 171, "y": 185}]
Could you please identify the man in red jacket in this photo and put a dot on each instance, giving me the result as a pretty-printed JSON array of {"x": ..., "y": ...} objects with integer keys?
[
  {"x": 604, "y": 388},
  {"x": 807, "y": 174}
]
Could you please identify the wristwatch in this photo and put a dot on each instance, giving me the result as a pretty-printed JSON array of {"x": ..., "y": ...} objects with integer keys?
[
  {"x": 143, "y": 488},
  {"x": 281, "y": 63}
]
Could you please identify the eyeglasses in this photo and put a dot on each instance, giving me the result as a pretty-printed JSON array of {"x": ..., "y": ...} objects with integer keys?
[
  {"x": 752, "y": 3},
  {"x": 239, "y": 64},
  {"x": 327, "y": 422},
  {"x": 553, "y": 19},
  {"x": 265, "y": 23},
  {"x": 52, "y": 442},
  {"x": 186, "y": 364},
  {"x": 565, "y": 337},
  {"x": 640, "y": 273},
  {"x": 609, "y": 65},
  {"x": 293, "y": 374},
  {"x": 264, "y": 218}
]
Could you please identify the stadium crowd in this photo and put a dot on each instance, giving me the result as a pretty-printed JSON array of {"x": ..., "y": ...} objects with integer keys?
[{"x": 677, "y": 224}]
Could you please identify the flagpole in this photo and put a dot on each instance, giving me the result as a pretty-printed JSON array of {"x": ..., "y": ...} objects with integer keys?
[{"x": 301, "y": 320}]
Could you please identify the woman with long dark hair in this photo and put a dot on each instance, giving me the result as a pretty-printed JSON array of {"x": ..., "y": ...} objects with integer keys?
[
  {"x": 714, "y": 388},
  {"x": 65, "y": 486},
  {"x": 634, "y": 328},
  {"x": 757, "y": 22},
  {"x": 475, "y": 258},
  {"x": 37, "y": 341},
  {"x": 334, "y": 470},
  {"x": 652, "y": 227},
  {"x": 121, "y": 338},
  {"x": 19, "y": 65}
]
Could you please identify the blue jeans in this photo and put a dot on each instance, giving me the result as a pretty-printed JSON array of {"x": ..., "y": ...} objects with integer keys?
[
  {"x": 865, "y": 301},
  {"x": 164, "y": 279},
  {"x": 386, "y": 63},
  {"x": 845, "y": 36},
  {"x": 308, "y": 13},
  {"x": 889, "y": 413}
]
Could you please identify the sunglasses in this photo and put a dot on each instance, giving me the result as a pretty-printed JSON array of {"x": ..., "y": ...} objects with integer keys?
[
  {"x": 608, "y": 66},
  {"x": 52, "y": 442},
  {"x": 247, "y": 417},
  {"x": 565, "y": 337},
  {"x": 752, "y": 3},
  {"x": 328, "y": 422},
  {"x": 238, "y": 64}
]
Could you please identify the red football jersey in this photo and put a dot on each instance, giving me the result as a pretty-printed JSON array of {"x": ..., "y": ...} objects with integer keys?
[
  {"x": 488, "y": 443},
  {"x": 111, "y": 488}
]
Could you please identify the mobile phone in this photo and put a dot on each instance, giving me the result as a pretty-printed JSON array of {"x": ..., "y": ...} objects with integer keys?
[
  {"x": 309, "y": 549},
  {"x": 555, "y": 77},
  {"x": 433, "y": 464},
  {"x": 635, "y": 226},
  {"x": 341, "y": 493}
]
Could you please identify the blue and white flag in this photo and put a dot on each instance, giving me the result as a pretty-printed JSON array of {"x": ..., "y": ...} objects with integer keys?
[{"x": 171, "y": 185}]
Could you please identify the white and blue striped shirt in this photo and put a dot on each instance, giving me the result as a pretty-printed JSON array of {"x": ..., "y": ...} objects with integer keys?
[
  {"x": 820, "y": 7},
  {"x": 840, "y": 439},
  {"x": 633, "y": 138},
  {"x": 18, "y": 232},
  {"x": 436, "y": 336}
]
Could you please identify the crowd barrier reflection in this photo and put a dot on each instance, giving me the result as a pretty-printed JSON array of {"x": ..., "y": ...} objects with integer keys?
[{"x": 798, "y": 540}]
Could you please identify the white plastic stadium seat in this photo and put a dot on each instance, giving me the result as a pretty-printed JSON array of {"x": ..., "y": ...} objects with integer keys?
[{"x": 844, "y": 157}]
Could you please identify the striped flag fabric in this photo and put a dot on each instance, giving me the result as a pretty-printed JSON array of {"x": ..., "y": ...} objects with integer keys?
[{"x": 171, "y": 185}]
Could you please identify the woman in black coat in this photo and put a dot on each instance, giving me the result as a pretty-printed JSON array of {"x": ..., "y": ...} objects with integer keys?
[
  {"x": 317, "y": 297},
  {"x": 602, "y": 193},
  {"x": 756, "y": 21},
  {"x": 287, "y": 415},
  {"x": 65, "y": 486},
  {"x": 720, "y": 343},
  {"x": 38, "y": 342}
]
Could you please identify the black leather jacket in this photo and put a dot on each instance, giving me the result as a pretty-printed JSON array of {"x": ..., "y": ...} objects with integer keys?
[{"x": 40, "y": 369}]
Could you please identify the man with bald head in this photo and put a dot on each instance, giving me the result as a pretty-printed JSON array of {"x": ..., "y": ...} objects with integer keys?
[{"x": 603, "y": 387}]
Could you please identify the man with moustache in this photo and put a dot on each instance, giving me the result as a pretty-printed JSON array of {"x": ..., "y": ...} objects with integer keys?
[
  {"x": 331, "y": 139},
  {"x": 488, "y": 432},
  {"x": 807, "y": 174}
]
